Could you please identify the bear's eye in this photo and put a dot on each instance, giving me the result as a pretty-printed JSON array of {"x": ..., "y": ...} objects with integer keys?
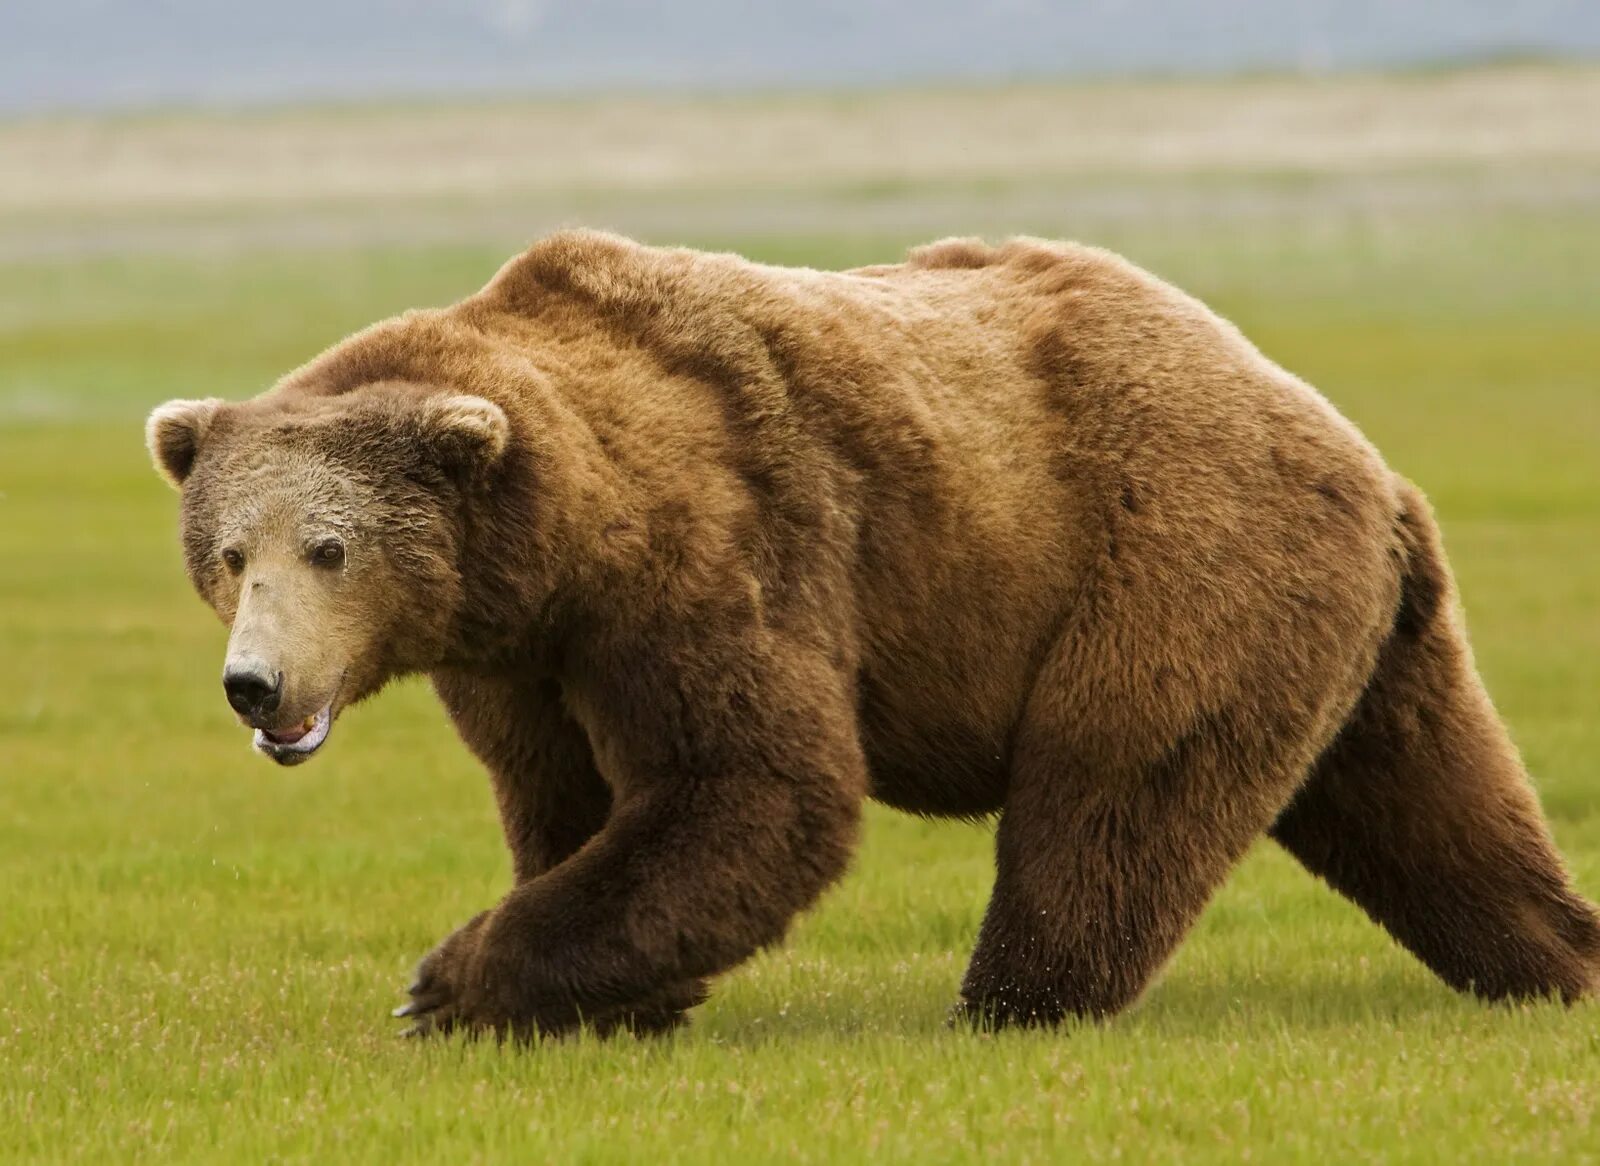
[
  {"x": 233, "y": 559},
  {"x": 328, "y": 553}
]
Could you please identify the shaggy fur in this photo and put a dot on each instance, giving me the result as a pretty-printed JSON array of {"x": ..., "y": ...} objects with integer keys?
[{"x": 700, "y": 553}]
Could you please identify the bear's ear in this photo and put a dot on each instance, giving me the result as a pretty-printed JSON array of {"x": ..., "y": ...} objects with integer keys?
[
  {"x": 463, "y": 432},
  {"x": 174, "y": 433}
]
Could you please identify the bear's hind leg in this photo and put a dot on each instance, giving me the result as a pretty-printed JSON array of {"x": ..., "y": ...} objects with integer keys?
[
  {"x": 1170, "y": 724},
  {"x": 1422, "y": 814},
  {"x": 1100, "y": 874}
]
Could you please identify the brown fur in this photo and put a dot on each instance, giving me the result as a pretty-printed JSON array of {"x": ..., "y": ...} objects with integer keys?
[{"x": 1015, "y": 530}]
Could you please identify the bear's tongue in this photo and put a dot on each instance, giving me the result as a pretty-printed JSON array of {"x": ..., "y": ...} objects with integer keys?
[{"x": 290, "y": 736}]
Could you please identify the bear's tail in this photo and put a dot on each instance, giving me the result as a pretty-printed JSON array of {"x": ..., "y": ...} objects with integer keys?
[{"x": 1421, "y": 811}]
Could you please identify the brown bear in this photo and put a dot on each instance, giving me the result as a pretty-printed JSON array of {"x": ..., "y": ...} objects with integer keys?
[{"x": 700, "y": 553}]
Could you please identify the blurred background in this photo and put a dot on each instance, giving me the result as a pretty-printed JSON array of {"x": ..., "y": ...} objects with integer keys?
[
  {"x": 192, "y": 124},
  {"x": 1397, "y": 199},
  {"x": 104, "y": 52}
]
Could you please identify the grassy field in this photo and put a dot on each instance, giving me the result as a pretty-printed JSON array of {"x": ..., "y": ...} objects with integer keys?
[{"x": 198, "y": 950}]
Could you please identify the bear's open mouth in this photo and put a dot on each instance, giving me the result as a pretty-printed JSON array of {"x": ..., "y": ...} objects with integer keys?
[{"x": 293, "y": 745}]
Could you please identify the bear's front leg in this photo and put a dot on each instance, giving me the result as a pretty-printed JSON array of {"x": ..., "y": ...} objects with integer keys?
[
  {"x": 738, "y": 783},
  {"x": 552, "y": 800}
]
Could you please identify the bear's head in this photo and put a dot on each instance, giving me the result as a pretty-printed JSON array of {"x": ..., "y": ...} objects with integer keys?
[{"x": 326, "y": 531}]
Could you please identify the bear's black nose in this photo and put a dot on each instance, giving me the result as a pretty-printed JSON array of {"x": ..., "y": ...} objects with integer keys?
[{"x": 252, "y": 693}]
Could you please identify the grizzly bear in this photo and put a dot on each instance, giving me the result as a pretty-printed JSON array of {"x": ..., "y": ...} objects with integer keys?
[{"x": 700, "y": 553}]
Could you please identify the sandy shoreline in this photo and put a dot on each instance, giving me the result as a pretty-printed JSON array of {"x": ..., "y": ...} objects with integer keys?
[
  {"x": 909, "y": 162},
  {"x": 1496, "y": 117}
]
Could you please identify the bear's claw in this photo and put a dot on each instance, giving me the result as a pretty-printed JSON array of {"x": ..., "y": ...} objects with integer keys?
[{"x": 424, "y": 1027}]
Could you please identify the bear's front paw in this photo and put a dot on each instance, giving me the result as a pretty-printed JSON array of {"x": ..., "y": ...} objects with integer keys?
[
  {"x": 437, "y": 988},
  {"x": 479, "y": 982},
  {"x": 658, "y": 1015}
]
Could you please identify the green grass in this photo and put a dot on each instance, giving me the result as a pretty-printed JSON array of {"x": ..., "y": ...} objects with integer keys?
[{"x": 197, "y": 950}]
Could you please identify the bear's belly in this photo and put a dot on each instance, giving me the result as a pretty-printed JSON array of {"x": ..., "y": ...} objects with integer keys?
[
  {"x": 944, "y": 678},
  {"x": 937, "y": 743},
  {"x": 945, "y": 782}
]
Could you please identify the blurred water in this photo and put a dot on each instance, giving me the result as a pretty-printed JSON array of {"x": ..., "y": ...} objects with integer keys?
[{"x": 100, "y": 53}]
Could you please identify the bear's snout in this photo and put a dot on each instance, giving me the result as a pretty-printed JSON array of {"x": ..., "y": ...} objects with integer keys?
[{"x": 253, "y": 690}]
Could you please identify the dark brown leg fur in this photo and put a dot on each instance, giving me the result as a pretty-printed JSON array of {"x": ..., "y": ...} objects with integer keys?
[
  {"x": 1094, "y": 891},
  {"x": 738, "y": 784},
  {"x": 1422, "y": 814},
  {"x": 552, "y": 800},
  {"x": 1168, "y": 728},
  {"x": 1116, "y": 831}
]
